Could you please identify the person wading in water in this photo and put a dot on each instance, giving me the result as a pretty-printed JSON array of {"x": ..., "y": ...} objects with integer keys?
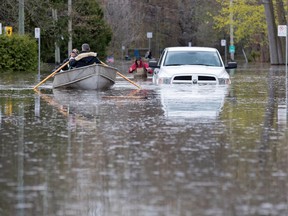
[{"x": 140, "y": 68}]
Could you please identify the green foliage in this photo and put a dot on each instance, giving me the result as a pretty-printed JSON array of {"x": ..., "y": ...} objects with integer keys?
[
  {"x": 52, "y": 18},
  {"x": 39, "y": 14},
  {"x": 18, "y": 53},
  {"x": 248, "y": 21},
  {"x": 89, "y": 27}
]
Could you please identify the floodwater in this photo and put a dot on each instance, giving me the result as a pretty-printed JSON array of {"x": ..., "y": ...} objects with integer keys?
[{"x": 160, "y": 151}]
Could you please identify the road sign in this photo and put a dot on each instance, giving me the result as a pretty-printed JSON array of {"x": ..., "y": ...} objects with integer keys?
[
  {"x": 0, "y": 28},
  {"x": 282, "y": 30},
  {"x": 223, "y": 42},
  {"x": 231, "y": 49},
  {"x": 8, "y": 30},
  {"x": 37, "y": 32},
  {"x": 149, "y": 34}
]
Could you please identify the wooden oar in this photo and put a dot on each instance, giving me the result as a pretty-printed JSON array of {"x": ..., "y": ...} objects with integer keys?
[
  {"x": 52, "y": 74},
  {"x": 124, "y": 77},
  {"x": 125, "y": 97}
]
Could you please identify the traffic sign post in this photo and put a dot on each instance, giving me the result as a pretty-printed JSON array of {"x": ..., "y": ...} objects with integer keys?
[
  {"x": 8, "y": 30},
  {"x": 149, "y": 36},
  {"x": 223, "y": 43},
  {"x": 37, "y": 35},
  {"x": 282, "y": 32},
  {"x": 232, "y": 49},
  {"x": 123, "y": 49}
]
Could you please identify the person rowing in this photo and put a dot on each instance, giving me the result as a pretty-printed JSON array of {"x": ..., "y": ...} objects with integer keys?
[{"x": 86, "y": 57}]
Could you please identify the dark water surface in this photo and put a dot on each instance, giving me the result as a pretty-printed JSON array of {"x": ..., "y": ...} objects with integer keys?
[{"x": 163, "y": 150}]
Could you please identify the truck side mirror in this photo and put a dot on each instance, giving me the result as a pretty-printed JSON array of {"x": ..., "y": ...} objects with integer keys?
[
  {"x": 231, "y": 65},
  {"x": 153, "y": 64}
]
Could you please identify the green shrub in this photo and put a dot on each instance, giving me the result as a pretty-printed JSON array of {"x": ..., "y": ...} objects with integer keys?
[{"x": 18, "y": 53}]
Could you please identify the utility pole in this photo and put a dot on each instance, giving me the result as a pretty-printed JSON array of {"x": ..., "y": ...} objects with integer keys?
[
  {"x": 57, "y": 49},
  {"x": 70, "y": 26},
  {"x": 21, "y": 17},
  {"x": 231, "y": 30}
]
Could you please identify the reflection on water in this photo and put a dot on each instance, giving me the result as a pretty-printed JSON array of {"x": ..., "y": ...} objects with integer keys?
[
  {"x": 167, "y": 150},
  {"x": 196, "y": 102}
]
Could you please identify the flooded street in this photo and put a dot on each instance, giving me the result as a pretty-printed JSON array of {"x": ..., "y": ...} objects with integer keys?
[{"x": 177, "y": 150}]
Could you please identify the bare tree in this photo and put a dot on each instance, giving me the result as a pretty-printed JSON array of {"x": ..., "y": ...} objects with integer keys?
[
  {"x": 131, "y": 20},
  {"x": 172, "y": 23},
  {"x": 122, "y": 18}
]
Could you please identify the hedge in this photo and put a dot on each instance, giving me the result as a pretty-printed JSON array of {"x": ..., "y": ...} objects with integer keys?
[{"x": 18, "y": 53}]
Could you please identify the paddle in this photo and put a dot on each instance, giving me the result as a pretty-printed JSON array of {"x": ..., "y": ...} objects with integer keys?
[
  {"x": 128, "y": 80},
  {"x": 118, "y": 73},
  {"x": 52, "y": 74}
]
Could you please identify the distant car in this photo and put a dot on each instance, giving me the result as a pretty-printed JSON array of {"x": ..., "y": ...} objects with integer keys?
[{"x": 194, "y": 65}]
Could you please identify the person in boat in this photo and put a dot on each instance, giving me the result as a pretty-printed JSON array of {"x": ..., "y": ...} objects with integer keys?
[
  {"x": 140, "y": 68},
  {"x": 73, "y": 54},
  {"x": 86, "y": 57}
]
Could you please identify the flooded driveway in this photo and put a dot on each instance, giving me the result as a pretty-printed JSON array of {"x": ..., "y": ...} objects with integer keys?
[{"x": 163, "y": 150}]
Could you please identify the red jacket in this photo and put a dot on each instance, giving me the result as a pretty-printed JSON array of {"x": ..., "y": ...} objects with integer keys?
[{"x": 142, "y": 64}]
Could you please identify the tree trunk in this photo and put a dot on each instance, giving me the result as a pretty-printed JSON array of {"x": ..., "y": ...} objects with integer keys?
[
  {"x": 69, "y": 26},
  {"x": 272, "y": 36},
  {"x": 282, "y": 21},
  {"x": 57, "y": 49},
  {"x": 21, "y": 17}
]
